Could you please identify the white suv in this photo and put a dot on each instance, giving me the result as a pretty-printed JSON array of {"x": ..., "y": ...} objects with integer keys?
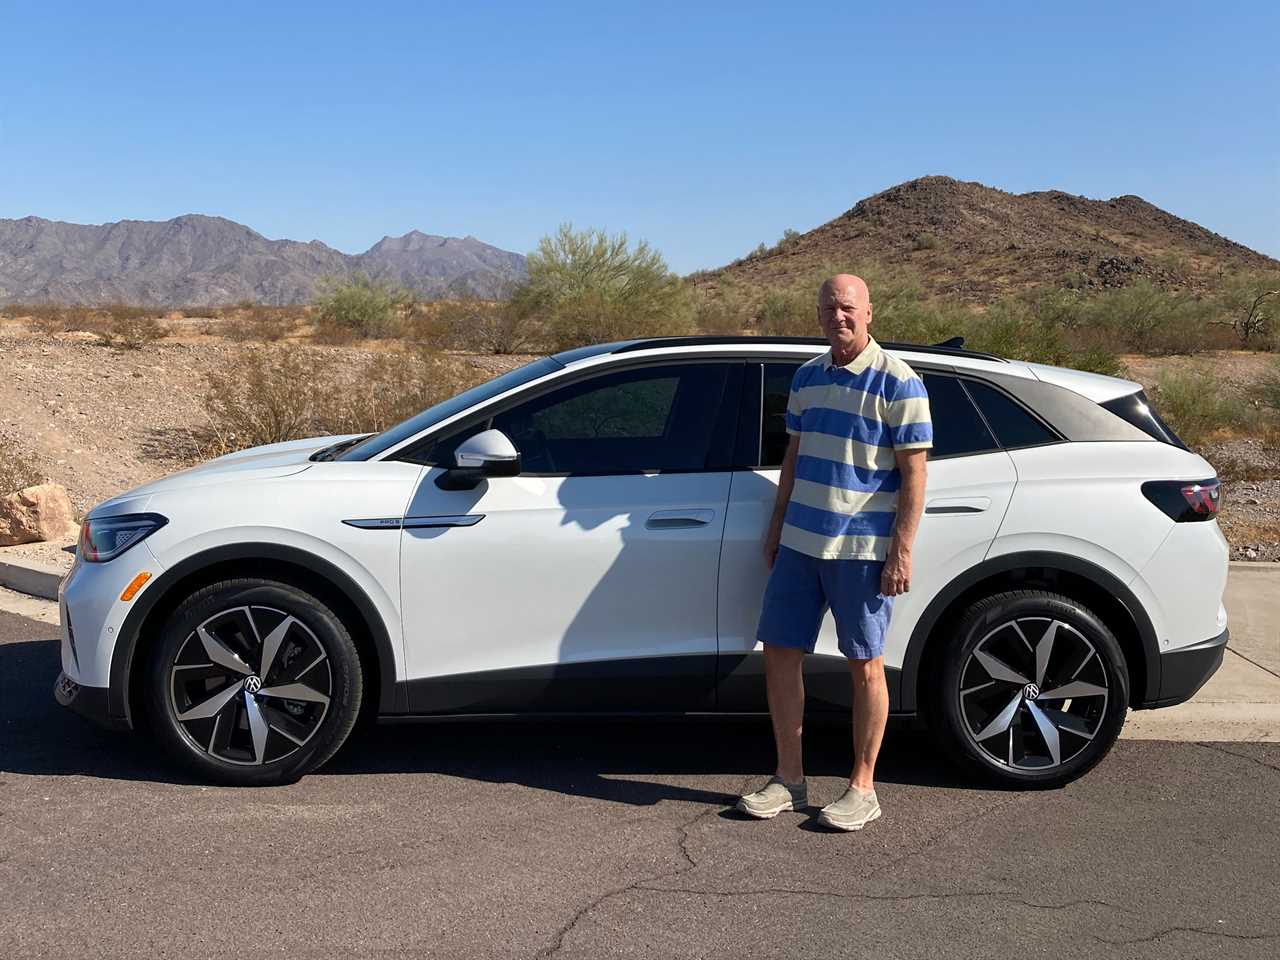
[{"x": 583, "y": 536}]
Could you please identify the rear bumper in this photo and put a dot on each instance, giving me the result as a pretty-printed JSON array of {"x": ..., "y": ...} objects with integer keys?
[
  {"x": 90, "y": 702},
  {"x": 1183, "y": 672}
]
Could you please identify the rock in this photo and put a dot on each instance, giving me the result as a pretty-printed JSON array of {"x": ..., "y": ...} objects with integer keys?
[
  {"x": 42, "y": 512},
  {"x": 1250, "y": 553}
]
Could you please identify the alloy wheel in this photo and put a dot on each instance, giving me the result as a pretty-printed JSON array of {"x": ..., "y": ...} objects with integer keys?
[
  {"x": 1033, "y": 693},
  {"x": 251, "y": 685}
]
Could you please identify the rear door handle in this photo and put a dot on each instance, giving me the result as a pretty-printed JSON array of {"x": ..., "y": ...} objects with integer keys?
[
  {"x": 674, "y": 519},
  {"x": 947, "y": 505}
]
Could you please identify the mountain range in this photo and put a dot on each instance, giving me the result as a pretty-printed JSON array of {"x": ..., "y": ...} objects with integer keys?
[
  {"x": 200, "y": 260},
  {"x": 968, "y": 241}
]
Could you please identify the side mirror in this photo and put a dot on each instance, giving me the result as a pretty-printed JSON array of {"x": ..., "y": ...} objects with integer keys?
[{"x": 487, "y": 454}]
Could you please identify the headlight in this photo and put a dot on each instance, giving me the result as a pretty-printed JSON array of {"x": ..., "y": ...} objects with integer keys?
[{"x": 105, "y": 538}]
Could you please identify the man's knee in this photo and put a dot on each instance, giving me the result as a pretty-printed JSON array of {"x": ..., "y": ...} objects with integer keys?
[
  {"x": 867, "y": 672},
  {"x": 782, "y": 658}
]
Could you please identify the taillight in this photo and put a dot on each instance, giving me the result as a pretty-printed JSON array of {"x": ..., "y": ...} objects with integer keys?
[{"x": 1185, "y": 500}]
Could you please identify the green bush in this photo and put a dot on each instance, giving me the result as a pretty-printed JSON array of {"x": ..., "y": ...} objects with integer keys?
[
  {"x": 1195, "y": 405},
  {"x": 1144, "y": 318},
  {"x": 360, "y": 308},
  {"x": 588, "y": 287},
  {"x": 126, "y": 329},
  {"x": 475, "y": 326},
  {"x": 1268, "y": 390}
]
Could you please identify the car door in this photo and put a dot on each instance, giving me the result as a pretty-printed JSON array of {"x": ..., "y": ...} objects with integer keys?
[
  {"x": 588, "y": 582},
  {"x": 969, "y": 486}
]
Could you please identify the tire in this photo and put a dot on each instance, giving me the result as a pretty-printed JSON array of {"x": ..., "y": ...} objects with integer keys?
[
  {"x": 990, "y": 709},
  {"x": 214, "y": 711}
]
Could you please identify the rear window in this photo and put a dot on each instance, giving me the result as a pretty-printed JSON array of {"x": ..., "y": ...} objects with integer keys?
[
  {"x": 1014, "y": 427},
  {"x": 1136, "y": 409}
]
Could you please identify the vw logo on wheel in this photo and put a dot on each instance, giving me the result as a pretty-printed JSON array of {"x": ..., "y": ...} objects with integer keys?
[
  {"x": 1030, "y": 691},
  {"x": 253, "y": 684}
]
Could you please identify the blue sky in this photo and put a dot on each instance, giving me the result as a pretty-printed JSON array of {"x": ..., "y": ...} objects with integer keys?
[{"x": 703, "y": 128}]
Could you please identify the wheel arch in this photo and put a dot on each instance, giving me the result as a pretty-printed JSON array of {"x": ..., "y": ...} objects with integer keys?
[
  {"x": 1092, "y": 585},
  {"x": 270, "y": 561}
]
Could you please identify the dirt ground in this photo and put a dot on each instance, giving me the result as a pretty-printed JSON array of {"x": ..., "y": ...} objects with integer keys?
[{"x": 100, "y": 420}]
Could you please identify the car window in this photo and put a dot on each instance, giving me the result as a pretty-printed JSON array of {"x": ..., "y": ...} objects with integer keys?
[
  {"x": 648, "y": 419},
  {"x": 957, "y": 427},
  {"x": 777, "y": 386},
  {"x": 1013, "y": 425}
]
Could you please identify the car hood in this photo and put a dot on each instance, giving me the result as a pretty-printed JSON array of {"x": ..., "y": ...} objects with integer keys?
[{"x": 256, "y": 463}]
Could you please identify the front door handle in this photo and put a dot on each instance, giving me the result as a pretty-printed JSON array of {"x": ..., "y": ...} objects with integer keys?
[
  {"x": 675, "y": 519},
  {"x": 947, "y": 505}
]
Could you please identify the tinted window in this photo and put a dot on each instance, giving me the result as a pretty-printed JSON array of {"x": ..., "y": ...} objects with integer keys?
[
  {"x": 379, "y": 442},
  {"x": 1013, "y": 425},
  {"x": 657, "y": 418},
  {"x": 957, "y": 428},
  {"x": 1136, "y": 409},
  {"x": 777, "y": 387}
]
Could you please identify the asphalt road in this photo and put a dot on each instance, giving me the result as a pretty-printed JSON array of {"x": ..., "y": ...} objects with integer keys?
[{"x": 608, "y": 840}]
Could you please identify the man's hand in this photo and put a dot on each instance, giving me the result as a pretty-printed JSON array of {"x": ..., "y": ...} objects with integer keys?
[{"x": 895, "y": 578}]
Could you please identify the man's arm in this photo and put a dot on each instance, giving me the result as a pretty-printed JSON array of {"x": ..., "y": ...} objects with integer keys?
[
  {"x": 913, "y": 465},
  {"x": 786, "y": 480}
]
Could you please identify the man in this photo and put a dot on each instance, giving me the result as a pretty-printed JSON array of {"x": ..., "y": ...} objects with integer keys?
[{"x": 848, "y": 505}]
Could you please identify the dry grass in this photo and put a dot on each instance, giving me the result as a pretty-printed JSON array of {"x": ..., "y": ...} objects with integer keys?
[{"x": 273, "y": 395}]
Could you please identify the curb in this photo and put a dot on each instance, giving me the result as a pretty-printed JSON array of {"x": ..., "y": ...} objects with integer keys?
[
  {"x": 1256, "y": 566},
  {"x": 31, "y": 577}
]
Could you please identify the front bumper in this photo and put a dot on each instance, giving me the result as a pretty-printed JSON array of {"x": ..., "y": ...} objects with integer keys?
[
  {"x": 90, "y": 702},
  {"x": 1184, "y": 671}
]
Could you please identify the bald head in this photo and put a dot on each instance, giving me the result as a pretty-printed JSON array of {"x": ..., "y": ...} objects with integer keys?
[
  {"x": 845, "y": 287},
  {"x": 844, "y": 312}
]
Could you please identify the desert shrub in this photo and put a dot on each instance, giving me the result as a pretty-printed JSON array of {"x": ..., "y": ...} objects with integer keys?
[
  {"x": 1249, "y": 303},
  {"x": 273, "y": 395},
  {"x": 362, "y": 307},
  {"x": 1196, "y": 406},
  {"x": 725, "y": 311},
  {"x": 124, "y": 312},
  {"x": 1268, "y": 390},
  {"x": 261, "y": 323},
  {"x": 17, "y": 471},
  {"x": 588, "y": 287},
  {"x": 1040, "y": 331},
  {"x": 476, "y": 326},
  {"x": 791, "y": 312},
  {"x": 1144, "y": 318},
  {"x": 128, "y": 331},
  {"x": 924, "y": 241}
]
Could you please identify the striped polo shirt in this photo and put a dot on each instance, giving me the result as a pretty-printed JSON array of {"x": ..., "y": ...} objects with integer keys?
[{"x": 850, "y": 420}]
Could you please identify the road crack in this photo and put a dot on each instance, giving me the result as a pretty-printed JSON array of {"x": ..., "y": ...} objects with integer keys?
[
  {"x": 1002, "y": 896},
  {"x": 1241, "y": 756},
  {"x": 682, "y": 835},
  {"x": 1222, "y": 934}
]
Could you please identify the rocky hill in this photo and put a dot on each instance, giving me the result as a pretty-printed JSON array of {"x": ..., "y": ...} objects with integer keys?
[
  {"x": 977, "y": 243},
  {"x": 209, "y": 260}
]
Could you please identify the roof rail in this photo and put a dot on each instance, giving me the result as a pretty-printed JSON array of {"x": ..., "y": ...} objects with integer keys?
[{"x": 952, "y": 347}]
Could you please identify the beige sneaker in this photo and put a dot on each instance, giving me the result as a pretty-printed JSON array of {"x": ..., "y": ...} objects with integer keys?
[
  {"x": 853, "y": 811},
  {"x": 774, "y": 797}
]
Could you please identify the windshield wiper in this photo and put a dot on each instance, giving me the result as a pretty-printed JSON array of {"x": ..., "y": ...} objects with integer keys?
[{"x": 331, "y": 452}]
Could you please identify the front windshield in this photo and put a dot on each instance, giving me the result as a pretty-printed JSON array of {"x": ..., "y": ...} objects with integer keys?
[{"x": 380, "y": 442}]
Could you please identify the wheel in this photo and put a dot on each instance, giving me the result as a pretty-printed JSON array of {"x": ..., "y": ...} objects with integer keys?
[
  {"x": 254, "y": 683},
  {"x": 1033, "y": 689}
]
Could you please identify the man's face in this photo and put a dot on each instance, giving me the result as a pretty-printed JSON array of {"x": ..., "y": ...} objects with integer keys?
[{"x": 844, "y": 313}]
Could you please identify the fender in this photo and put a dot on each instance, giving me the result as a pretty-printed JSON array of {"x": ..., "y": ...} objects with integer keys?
[
  {"x": 392, "y": 697},
  {"x": 1014, "y": 561}
]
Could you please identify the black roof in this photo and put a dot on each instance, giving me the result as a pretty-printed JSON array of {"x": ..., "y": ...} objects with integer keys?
[{"x": 952, "y": 347}]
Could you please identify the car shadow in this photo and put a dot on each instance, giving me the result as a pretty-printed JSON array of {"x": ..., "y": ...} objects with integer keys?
[{"x": 639, "y": 762}]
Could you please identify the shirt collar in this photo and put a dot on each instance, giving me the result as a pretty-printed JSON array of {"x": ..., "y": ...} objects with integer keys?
[{"x": 858, "y": 363}]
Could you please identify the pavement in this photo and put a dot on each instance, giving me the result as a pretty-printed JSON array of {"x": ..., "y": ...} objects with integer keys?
[{"x": 600, "y": 840}]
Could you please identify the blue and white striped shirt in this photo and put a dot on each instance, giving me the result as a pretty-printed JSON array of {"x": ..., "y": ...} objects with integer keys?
[{"x": 850, "y": 421}]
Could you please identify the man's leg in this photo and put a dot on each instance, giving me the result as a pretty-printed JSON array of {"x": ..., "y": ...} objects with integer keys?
[
  {"x": 784, "y": 681},
  {"x": 870, "y": 716}
]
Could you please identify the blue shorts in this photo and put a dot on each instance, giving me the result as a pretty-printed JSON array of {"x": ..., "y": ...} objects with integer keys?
[{"x": 800, "y": 590}]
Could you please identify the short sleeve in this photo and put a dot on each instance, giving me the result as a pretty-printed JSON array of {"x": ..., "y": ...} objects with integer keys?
[
  {"x": 794, "y": 407},
  {"x": 908, "y": 418}
]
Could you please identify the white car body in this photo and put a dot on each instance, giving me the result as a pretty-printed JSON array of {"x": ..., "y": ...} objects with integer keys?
[{"x": 639, "y": 592}]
